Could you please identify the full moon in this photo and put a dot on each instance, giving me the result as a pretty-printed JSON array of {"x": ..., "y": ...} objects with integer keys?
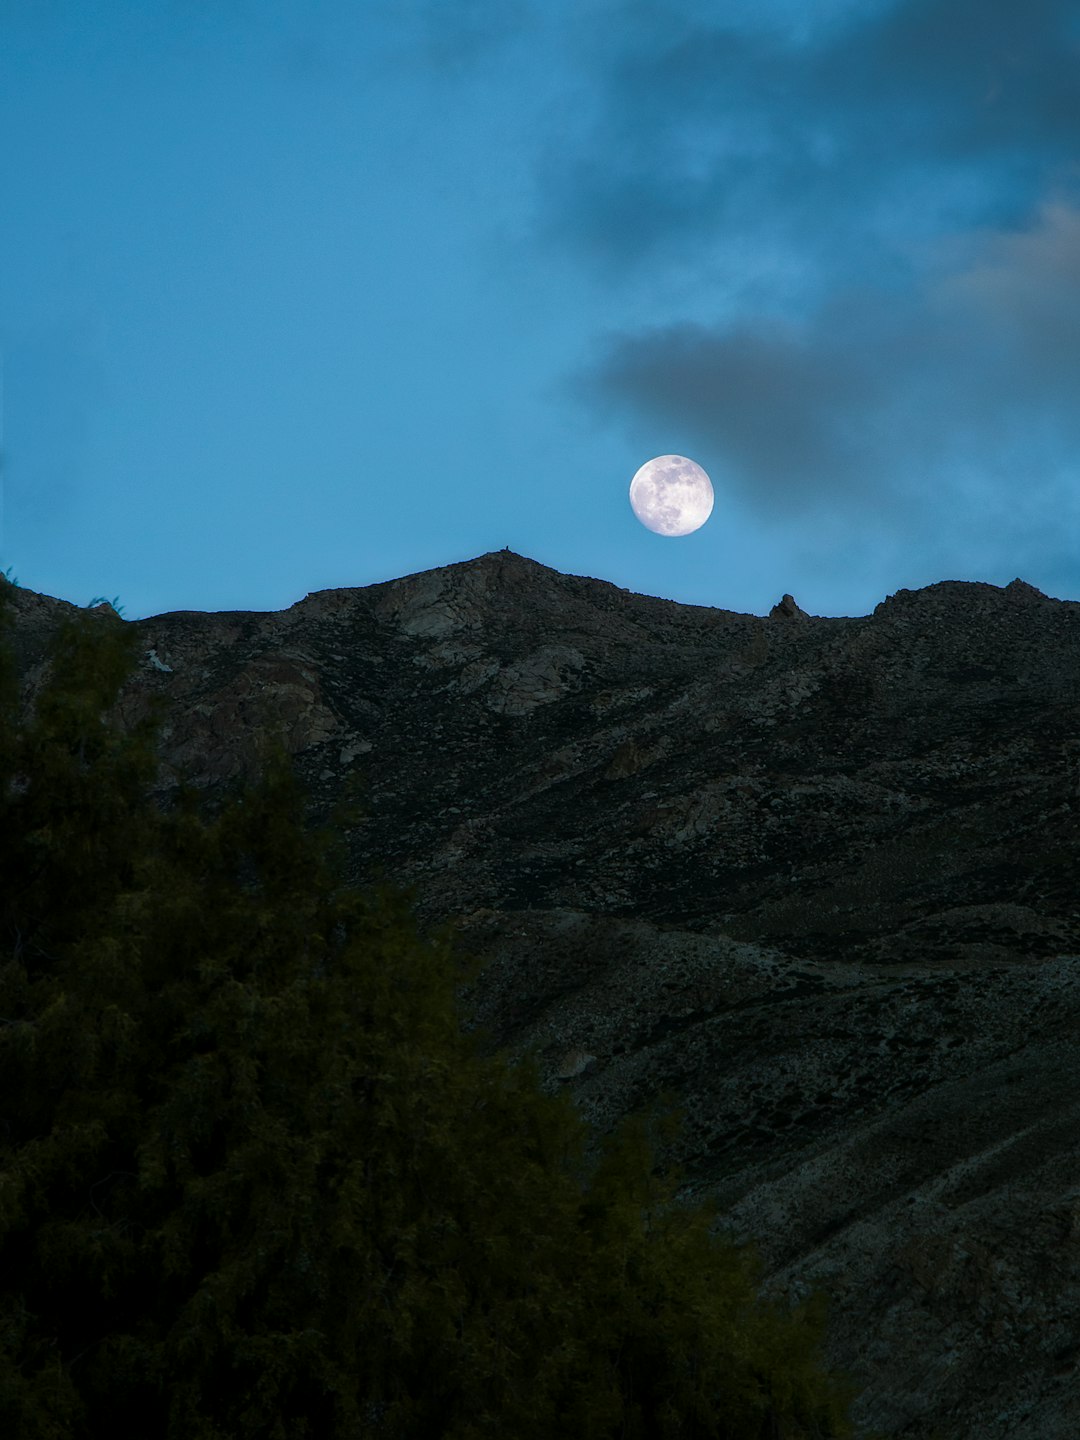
[{"x": 671, "y": 495}]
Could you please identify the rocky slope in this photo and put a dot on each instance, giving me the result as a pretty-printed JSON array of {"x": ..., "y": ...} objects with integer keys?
[{"x": 818, "y": 875}]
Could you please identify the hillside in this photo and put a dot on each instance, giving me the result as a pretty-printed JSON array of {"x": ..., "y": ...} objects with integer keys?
[{"x": 819, "y": 875}]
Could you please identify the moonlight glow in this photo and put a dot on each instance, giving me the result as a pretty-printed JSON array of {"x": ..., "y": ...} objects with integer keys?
[{"x": 671, "y": 495}]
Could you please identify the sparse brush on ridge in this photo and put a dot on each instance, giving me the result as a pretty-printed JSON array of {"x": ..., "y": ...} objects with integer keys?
[
  {"x": 104, "y": 599},
  {"x": 97, "y": 600},
  {"x": 257, "y": 1181}
]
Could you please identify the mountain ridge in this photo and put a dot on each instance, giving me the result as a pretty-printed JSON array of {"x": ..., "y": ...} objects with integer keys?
[{"x": 816, "y": 874}]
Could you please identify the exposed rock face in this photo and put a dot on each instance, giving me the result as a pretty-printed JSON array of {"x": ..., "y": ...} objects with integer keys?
[
  {"x": 787, "y": 610},
  {"x": 821, "y": 878}
]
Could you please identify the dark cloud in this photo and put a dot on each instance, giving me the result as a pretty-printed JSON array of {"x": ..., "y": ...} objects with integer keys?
[
  {"x": 896, "y": 121},
  {"x": 879, "y": 201},
  {"x": 882, "y": 213},
  {"x": 878, "y": 395},
  {"x": 965, "y": 77}
]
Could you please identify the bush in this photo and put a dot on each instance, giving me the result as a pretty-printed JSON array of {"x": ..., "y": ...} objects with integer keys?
[{"x": 257, "y": 1180}]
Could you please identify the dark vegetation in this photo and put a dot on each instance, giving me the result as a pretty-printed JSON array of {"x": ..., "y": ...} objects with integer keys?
[{"x": 257, "y": 1181}]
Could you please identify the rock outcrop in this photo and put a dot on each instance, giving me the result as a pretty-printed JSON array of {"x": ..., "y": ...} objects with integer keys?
[
  {"x": 787, "y": 609},
  {"x": 820, "y": 878}
]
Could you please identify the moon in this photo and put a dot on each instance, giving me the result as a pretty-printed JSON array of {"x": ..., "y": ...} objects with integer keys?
[{"x": 671, "y": 495}]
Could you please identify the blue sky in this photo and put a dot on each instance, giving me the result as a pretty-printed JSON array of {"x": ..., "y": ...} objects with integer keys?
[{"x": 303, "y": 295}]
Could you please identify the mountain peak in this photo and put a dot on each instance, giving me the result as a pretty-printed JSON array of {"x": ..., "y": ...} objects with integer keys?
[{"x": 817, "y": 874}]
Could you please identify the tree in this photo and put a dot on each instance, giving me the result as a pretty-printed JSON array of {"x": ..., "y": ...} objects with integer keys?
[{"x": 256, "y": 1179}]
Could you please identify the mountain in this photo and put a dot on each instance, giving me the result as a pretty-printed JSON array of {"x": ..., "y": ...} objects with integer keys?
[{"x": 820, "y": 875}]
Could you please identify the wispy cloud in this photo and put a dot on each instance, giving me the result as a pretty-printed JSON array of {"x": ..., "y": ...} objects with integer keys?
[
  {"x": 883, "y": 214},
  {"x": 878, "y": 394},
  {"x": 844, "y": 140}
]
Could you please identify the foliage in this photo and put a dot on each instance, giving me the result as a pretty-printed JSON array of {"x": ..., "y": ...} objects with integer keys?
[
  {"x": 97, "y": 600},
  {"x": 104, "y": 599},
  {"x": 256, "y": 1180}
]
